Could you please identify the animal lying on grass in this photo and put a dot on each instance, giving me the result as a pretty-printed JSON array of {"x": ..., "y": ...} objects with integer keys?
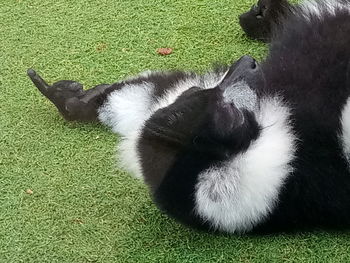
[{"x": 247, "y": 147}]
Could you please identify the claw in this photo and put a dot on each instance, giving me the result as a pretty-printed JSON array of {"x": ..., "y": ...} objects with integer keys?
[{"x": 38, "y": 81}]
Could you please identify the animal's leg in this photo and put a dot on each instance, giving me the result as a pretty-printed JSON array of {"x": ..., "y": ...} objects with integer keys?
[{"x": 123, "y": 106}]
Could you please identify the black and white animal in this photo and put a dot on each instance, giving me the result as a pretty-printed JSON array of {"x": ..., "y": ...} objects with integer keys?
[{"x": 242, "y": 148}]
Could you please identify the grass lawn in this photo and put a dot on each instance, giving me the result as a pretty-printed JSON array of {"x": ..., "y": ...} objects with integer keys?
[{"x": 82, "y": 207}]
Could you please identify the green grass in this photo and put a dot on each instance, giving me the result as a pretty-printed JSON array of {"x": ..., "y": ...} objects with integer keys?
[{"x": 83, "y": 208}]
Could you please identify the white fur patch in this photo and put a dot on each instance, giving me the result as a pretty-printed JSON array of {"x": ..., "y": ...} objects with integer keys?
[
  {"x": 128, "y": 157},
  {"x": 345, "y": 134},
  {"x": 212, "y": 79},
  {"x": 243, "y": 191},
  {"x": 125, "y": 110},
  {"x": 241, "y": 95},
  {"x": 319, "y": 7},
  {"x": 144, "y": 74}
]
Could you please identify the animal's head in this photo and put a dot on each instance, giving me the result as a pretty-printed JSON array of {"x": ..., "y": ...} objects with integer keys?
[
  {"x": 259, "y": 21},
  {"x": 212, "y": 124}
]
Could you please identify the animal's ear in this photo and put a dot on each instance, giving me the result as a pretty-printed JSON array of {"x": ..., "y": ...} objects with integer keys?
[
  {"x": 270, "y": 9},
  {"x": 268, "y": 3},
  {"x": 264, "y": 6}
]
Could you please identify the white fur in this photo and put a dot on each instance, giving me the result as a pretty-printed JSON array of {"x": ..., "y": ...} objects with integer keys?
[
  {"x": 127, "y": 157},
  {"x": 212, "y": 79},
  {"x": 345, "y": 133},
  {"x": 241, "y": 95},
  {"x": 319, "y": 7},
  {"x": 144, "y": 74},
  {"x": 125, "y": 111},
  {"x": 243, "y": 191}
]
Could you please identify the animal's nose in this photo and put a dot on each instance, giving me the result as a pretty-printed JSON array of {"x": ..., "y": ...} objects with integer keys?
[{"x": 248, "y": 62}]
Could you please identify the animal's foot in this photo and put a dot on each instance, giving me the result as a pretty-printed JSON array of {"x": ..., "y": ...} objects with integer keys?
[{"x": 68, "y": 97}]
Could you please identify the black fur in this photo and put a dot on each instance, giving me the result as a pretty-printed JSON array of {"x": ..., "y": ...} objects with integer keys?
[
  {"x": 260, "y": 21},
  {"x": 308, "y": 65}
]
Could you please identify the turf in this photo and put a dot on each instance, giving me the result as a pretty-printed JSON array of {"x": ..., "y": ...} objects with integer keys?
[{"x": 82, "y": 207}]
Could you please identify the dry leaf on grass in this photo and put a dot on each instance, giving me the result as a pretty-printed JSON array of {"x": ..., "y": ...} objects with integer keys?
[
  {"x": 78, "y": 221},
  {"x": 101, "y": 47},
  {"x": 165, "y": 51}
]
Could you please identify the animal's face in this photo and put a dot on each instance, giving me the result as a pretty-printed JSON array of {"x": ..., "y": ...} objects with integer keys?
[
  {"x": 259, "y": 21},
  {"x": 216, "y": 122}
]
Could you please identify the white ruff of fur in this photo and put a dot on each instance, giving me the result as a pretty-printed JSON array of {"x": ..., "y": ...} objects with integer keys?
[
  {"x": 242, "y": 192},
  {"x": 345, "y": 135},
  {"x": 319, "y": 7}
]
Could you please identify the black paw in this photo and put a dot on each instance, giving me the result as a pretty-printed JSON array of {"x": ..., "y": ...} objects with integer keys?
[{"x": 68, "y": 97}]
